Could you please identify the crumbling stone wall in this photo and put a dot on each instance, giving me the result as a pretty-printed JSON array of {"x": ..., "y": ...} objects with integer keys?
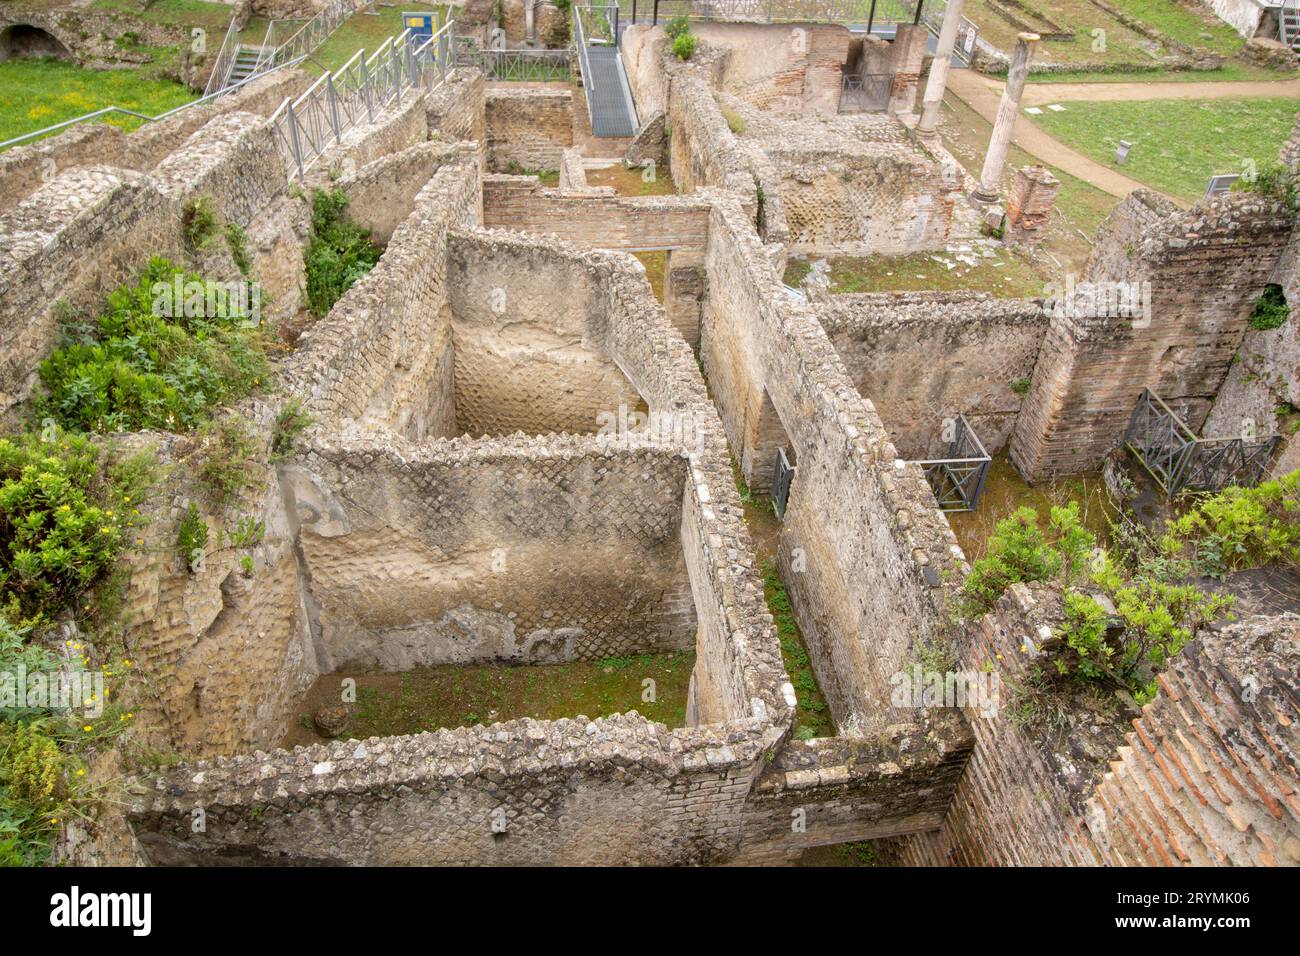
[
  {"x": 381, "y": 194},
  {"x": 23, "y": 169},
  {"x": 1208, "y": 776},
  {"x": 457, "y": 108},
  {"x": 92, "y": 228},
  {"x": 1203, "y": 268},
  {"x": 448, "y": 554},
  {"x": 863, "y": 552},
  {"x": 923, "y": 358},
  {"x": 787, "y": 66}
]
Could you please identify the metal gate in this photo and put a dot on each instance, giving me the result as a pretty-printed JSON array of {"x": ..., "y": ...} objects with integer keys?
[
  {"x": 958, "y": 480},
  {"x": 782, "y": 475},
  {"x": 1177, "y": 459}
]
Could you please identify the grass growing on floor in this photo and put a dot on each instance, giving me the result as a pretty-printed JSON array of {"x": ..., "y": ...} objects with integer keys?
[
  {"x": 1233, "y": 71},
  {"x": 655, "y": 263},
  {"x": 1009, "y": 273},
  {"x": 460, "y": 695},
  {"x": 633, "y": 182},
  {"x": 1177, "y": 144},
  {"x": 1005, "y": 491},
  {"x": 364, "y": 31},
  {"x": 39, "y": 93},
  {"x": 812, "y": 716}
]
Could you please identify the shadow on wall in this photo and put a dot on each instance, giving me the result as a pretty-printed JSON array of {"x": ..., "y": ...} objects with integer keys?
[{"x": 23, "y": 41}]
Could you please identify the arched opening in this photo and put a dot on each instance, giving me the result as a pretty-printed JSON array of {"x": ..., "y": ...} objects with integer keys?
[
  {"x": 1271, "y": 309},
  {"x": 24, "y": 41}
]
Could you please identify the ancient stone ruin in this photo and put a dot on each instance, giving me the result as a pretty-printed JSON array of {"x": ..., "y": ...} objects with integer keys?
[{"x": 522, "y": 451}]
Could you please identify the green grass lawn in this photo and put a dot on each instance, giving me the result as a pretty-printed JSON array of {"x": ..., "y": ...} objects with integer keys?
[
  {"x": 1177, "y": 144},
  {"x": 38, "y": 93},
  {"x": 365, "y": 31},
  {"x": 1234, "y": 71}
]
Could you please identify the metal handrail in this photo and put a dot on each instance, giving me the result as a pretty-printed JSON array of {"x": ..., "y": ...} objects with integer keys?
[
  {"x": 304, "y": 127},
  {"x": 225, "y": 60}
]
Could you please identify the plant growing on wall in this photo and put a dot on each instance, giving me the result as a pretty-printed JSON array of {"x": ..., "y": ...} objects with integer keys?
[
  {"x": 152, "y": 362},
  {"x": 338, "y": 254}
]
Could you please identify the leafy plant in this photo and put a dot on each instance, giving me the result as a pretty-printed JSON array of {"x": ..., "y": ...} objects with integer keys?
[
  {"x": 1021, "y": 386},
  {"x": 192, "y": 538},
  {"x": 198, "y": 222},
  {"x": 684, "y": 46},
  {"x": 237, "y": 242},
  {"x": 678, "y": 26},
  {"x": 139, "y": 368},
  {"x": 59, "y": 530},
  {"x": 1271, "y": 310},
  {"x": 1244, "y": 527},
  {"x": 227, "y": 458},
  {"x": 291, "y": 421},
  {"x": 1017, "y": 552},
  {"x": 338, "y": 253}
]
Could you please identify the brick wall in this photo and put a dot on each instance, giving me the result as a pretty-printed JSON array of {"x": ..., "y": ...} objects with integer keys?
[
  {"x": 1204, "y": 268},
  {"x": 529, "y": 127},
  {"x": 600, "y": 220}
]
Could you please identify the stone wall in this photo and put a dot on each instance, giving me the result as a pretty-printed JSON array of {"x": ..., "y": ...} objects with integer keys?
[
  {"x": 383, "y": 354},
  {"x": 491, "y": 551},
  {"x": 1199, "y": 272},
  {"x": 1208, "y": 777},
  {"x": 528, "y": 321},
  {"x": 456, "y": 109},
  {"x": 528, "y": 128},
  {"x": 382, "y": 194},
  {"x": 597, "y": 218},
  {"x": 922, "y": 358},
  {"x": 92, "y": 228},
  {"x": 863, "y": 552}
]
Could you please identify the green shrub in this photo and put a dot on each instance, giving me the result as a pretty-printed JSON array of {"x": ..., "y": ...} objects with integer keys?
[
  {"x": 1017, "y": 552},
  {"x": 292, "y": 420},
  {"x": 1083, "y": 633},
  {"x": 140, "y": 368},
  {"x": 1021, "y": 386},
  {"x": 1271, "y": 310},
  {"x": 59, "y": 530},
  {"x": 237, "y": 242},
  {"x": 192, "y": 538},
  {"x": 338, "y": 253},
  {"x": 684, "y": 46},
  {"x": 198, "y": 222},
  {"x": 1244, "y": 527},
  {"x": 1275, "y": 181},
  {"x": 677, "y": 26},
  {"x": 227, "y": 458}
]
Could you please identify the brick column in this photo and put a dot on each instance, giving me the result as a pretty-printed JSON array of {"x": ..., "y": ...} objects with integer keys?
[{"x": 908, "y": 51}]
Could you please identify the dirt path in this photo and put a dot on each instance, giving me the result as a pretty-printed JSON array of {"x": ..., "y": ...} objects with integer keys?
[
  {"x": 1037, "y": 94},
  {"x": 983, "y": 95}
]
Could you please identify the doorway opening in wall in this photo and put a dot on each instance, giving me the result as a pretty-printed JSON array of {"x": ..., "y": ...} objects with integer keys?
[{"x": 24, "y": 41}]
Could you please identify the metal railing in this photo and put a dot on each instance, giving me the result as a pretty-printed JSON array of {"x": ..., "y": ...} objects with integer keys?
[
  {"x": 1178, "y": 459},
  {"x": 525, "y": 65},
  {"x": 584, "y": 65},
  {"x": 313, "y": 33},
  {"x": 958, "y": 480},
  {"x": 356, "y": 93},
  {"x": 225, "y": 60},
  {"x": 864, "y": 92},
  {"x": 782, "y": 477}
]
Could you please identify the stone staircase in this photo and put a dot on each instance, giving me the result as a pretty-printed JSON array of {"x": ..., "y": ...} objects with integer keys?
[{"x": 244, "y": 65}]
